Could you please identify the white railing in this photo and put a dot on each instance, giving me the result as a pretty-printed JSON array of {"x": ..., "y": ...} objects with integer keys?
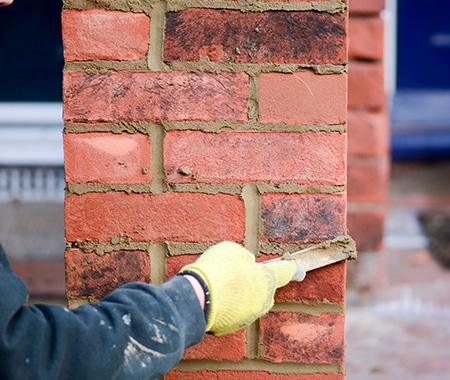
[
  {"x": 32, "y": 184},
  {"x": 31, "y": 152}
]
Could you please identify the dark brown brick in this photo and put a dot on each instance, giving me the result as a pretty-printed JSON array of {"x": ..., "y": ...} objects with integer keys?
[
  {"x": 302, "y": 218},
  {"x": 155, "y": 96},
  {"x": 234, "y": 36},
  {"x": 91, "y": 275}
]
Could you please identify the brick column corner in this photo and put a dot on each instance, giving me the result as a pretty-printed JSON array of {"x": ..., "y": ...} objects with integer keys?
[
  {"x": 186, "y": 126},
  {"x": 368, "y": 126}
]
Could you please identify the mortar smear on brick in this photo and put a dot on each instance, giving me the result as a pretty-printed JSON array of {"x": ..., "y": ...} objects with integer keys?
[{"x": 331, "y": 6}]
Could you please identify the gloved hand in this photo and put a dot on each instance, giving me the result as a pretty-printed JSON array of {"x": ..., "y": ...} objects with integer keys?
[{"x": 240, "y": 290}]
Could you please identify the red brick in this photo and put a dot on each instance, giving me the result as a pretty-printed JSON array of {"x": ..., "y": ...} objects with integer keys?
[
  {"x": 367, "y": 179},
  {"x": 303, "y": 98},
  {"x": 366, "y": 227},
  {"x": 155, "y": 96},
  {"x": 281, "y": 37},
  {"x": 366, "y": 6},
  {"x": 302, "y": 218},
  {"x": 303, "y": 338},
  {"x": 225, "y": 347},
  {"x": 144, "y": 217},
  {"x": 366, "y": 85},
  {"x": 91, "y": 275},
  {"x": 365, "y": 38},
  {"x": 107, "y": 158},
  {"x": 249, "y": 375},
  {"x": 368, "y": 133},
  {"x": 106, "y": 35},
  {"x": 324, "y": 284},
  {"x": 175, "y": 263},
  {"x": 230, "y": 157}
]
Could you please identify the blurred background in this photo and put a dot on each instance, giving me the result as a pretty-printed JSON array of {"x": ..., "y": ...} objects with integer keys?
[
  {"x": 31, "y": 154},
  {"x": 398, "y": 303}
]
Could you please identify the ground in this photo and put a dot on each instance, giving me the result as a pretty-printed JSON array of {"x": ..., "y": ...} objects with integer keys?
[{"x": 398, "y": 304}]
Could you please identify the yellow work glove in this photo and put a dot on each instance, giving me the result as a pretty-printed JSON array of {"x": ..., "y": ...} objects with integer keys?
[{"x": 240, "y": 290}]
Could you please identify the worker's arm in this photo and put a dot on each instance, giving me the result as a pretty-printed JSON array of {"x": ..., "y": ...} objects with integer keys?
[{"x": 137, "y": 332}]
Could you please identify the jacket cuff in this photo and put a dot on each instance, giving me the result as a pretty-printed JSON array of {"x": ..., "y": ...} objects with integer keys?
[
  {"x": 205, "y": 290},
  {"x": 185, "y": 300}
]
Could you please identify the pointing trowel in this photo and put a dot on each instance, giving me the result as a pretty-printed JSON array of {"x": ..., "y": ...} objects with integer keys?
[{"x": 320, "y": 255}]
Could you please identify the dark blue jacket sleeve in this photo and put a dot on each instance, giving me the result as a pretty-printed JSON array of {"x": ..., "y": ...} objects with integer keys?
[{"x": 139, "y": 331}]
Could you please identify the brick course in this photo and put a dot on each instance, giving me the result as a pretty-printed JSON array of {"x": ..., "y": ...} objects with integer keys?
[
  {"x": 293, "y": 98},
  {"x": 366, "y": 85},
  {"x": 104, "y": 35},
  {"x": 242, "y": 157},
  {"x": 91, "y": 275},
  {"x": 304, "y": 338},
  {"x": 365, "y": 7},
  {"x": 322, "y": 285},
  {"x": 366, "y": 226},
  {"x": 225, "y": 347},
  {"x": 233, "y": 36},
  {"x": 302, "y": 218},
  {"x": 121, "y": 158},
  {"x": 146, "y": 217},
  {"x": 366, "y": 38},
  {"x": 368, "y": 133},
  {"x": 368, "y": 179},
  {"x": 155, "y": 96}
]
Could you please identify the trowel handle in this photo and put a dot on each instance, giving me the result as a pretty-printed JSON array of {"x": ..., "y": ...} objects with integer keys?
[{"x": 299, "y": 274}]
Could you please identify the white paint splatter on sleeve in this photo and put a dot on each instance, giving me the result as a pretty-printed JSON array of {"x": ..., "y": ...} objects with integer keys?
[{"x": 126, "y": 318}]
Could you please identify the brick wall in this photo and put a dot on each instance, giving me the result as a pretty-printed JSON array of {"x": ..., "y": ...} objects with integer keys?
[
  {"x": 368, "y": 126},
  {"x": 189, "y": 123}
]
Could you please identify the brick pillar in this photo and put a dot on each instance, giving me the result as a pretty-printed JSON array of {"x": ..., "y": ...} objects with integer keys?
[
  {"x": 368, "y": 125},
  {"x": 189, "y": 126}
]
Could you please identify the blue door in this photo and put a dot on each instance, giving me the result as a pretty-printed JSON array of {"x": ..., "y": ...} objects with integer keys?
[
  {"x": 423, "y": 44},
  {"x": 421, "y": 105},
  {"x": 31, "y": 53}
]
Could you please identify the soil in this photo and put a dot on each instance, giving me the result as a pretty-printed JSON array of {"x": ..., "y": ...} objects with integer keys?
[{"x": 437, "y": 228}]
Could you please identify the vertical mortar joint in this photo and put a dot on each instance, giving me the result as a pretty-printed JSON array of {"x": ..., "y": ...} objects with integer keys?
[
  {"x": 157, "y": 134},
  {"x": 156, "y": 46},
  {"x": 252, "y": 202},
  {"x": 158, "y": 254}
]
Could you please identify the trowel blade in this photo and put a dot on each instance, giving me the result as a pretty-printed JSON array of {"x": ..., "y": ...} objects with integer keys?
[
  {"x": 323, "y": 254},
  {"x": 326, "y": 253}
]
